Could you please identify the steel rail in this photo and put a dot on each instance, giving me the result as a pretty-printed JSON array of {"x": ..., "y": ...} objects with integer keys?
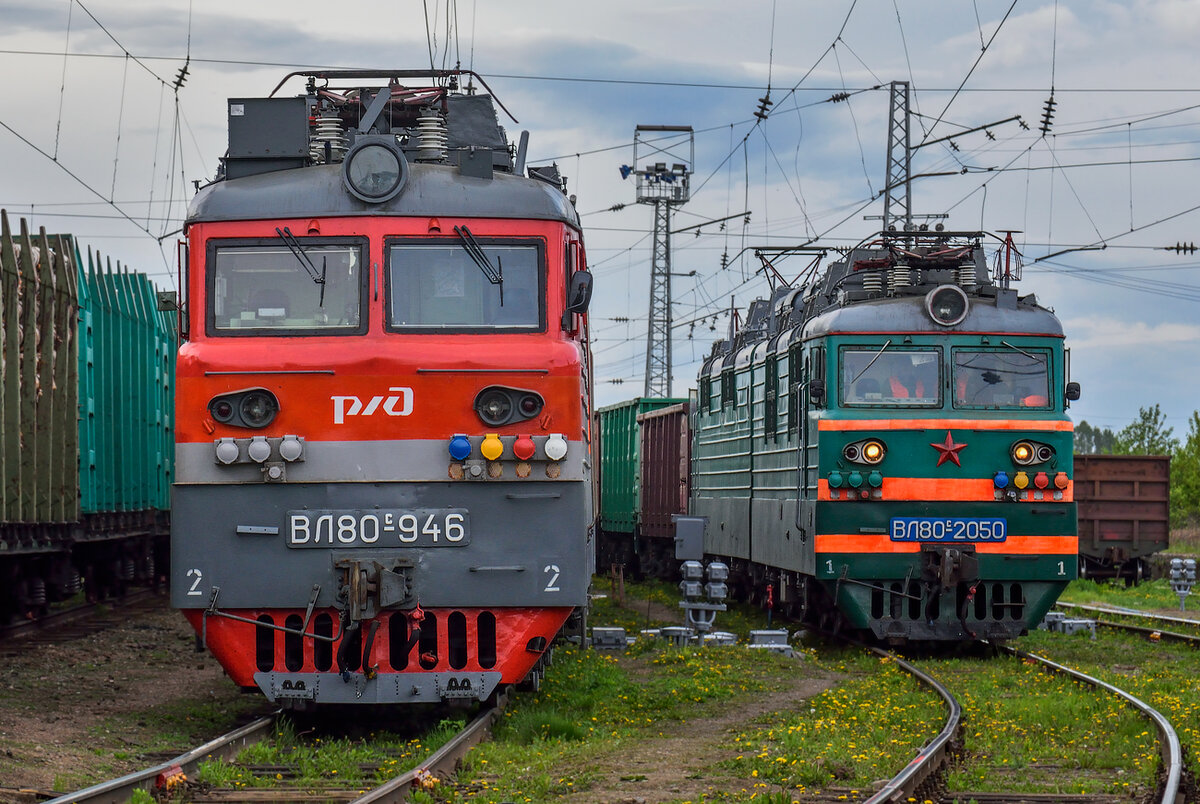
[
  {"x": 1194, "y": 623},
  {"x": 120, "y": 791},
  {"x": 1172, "y": 752},
  {"x": 1151, "y": 632},
  {"x": 77, "y": 614},
  {"x": 933, "y": 754},
  {"x": 440, "y": 763}
]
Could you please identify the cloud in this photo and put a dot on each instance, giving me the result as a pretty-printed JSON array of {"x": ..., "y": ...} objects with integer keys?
[{"x": 1095, "y": 332}]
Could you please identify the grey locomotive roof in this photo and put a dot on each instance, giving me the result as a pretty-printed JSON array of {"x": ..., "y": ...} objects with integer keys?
[
  {"x": 431, "y": 190},
  {"x": 908, "y": 315}
]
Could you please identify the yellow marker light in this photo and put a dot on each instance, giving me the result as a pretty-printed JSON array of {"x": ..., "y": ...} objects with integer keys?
[
  {"x": 872, "y": 452},
  {"x": 1022, "y": 452},
  {"x": 492, "y": 447},
  {"x": 1021, "y": 481}
]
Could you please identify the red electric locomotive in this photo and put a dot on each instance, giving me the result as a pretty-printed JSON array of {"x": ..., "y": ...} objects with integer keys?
[{"x": 384, "y": 488}]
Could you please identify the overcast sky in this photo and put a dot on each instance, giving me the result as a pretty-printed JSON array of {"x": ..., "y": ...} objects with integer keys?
[{"x": 1118, "y": 168}]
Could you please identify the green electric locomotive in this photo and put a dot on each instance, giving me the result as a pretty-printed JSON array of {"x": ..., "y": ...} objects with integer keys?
[{"x": 887, "y": 448}]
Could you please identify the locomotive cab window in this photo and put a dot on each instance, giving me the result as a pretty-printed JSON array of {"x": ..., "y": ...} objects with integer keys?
[
  {"x": 885, "y": 376},
  {"x": 1001, "y": 378},
  {"x": 263, "y": 287},
  {"x": 466, "y": 285}
]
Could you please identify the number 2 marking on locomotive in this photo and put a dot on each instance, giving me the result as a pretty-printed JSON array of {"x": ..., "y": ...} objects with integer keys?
[
  {"x": 553, "y": 570},
  {"x": 194, "y": 573}
]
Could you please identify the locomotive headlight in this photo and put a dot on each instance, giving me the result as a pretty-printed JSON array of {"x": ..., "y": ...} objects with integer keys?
[
  {"x": 498, "y": 405},
  {"x": 493, "y": 406},
  {"x": 872, "y": 452},
  {"x": 258, "y": 408},
  {"x": 375, "y": 169},
  {"x": 253, "y": 407},
  {"x": 947, "y": 305},
  {"x": 1023, "y": 453}
]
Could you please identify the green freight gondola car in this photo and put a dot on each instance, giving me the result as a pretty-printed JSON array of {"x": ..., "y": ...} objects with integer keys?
[
  {"x": 620, "y": 471},
  {"x": 87, "y": 442}
]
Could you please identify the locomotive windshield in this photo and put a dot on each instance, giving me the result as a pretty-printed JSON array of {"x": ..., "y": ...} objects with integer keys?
[
  {"x": 885, "y": 376},
  {"x": 1012, "y": 378},
  {"x": 445, "y": 286},
  {"x": 268, "y": 288}
]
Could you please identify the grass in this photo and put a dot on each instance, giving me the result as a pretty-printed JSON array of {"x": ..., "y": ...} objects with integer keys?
[
  {"x": 864, "y": 729},
  {"x": 1162, "y": 674},
  {"x": 597, "y": 707},
  {"x": 1185, "y": 541},
  {"x": 1026, "y": 730},
  {"x": 739, "y": 618},
  {"x": 1145, "y": 596},
  {"x": 317, "y": 762}
]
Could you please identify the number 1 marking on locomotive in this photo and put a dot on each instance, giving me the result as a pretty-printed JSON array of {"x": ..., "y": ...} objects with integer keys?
[
  {"x": 1062, "y": 569},
  {"x": 829, "y": 566},
  {"x": 194, "y": 589},
  {"x": 553, "y": 571}
]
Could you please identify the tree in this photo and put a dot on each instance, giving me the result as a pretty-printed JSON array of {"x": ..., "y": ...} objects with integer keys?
[
  {"x": 1185, "y": 478},
  {"x": 1147, "y": 435},
  {"x": 1094, "y": 440}
]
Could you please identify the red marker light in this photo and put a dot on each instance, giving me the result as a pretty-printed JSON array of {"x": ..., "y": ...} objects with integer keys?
[
  {"x": 1040, "y": 480},
  {"x": 524, "y": 447}
]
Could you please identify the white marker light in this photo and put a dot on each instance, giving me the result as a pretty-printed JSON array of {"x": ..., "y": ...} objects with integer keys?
[
  {"x": 227, "y": 450},
  {"x": 291, "y": 447},
  {"x": 556, "y": 447},
  {"x": 259, "y": 449}
]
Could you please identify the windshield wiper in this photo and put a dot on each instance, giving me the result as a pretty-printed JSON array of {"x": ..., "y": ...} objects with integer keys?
[
  {"x": 1036, "y": 358},
  {"x": 289, "y": 240},
  {"x": 873, "y": 359},
  {"x": 480, "y": 258}
]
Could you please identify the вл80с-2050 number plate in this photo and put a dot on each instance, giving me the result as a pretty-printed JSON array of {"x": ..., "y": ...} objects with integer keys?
[
  {"x": 417, "y": 527},
  {"x": 948, "y": 529}
]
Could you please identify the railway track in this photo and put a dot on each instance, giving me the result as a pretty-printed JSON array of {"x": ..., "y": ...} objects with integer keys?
[
  {"x": 1146, "y": 630},
  {"x": 172, "y": 776},
  {"x": 922, "y": 778},
  {"x": 81, "y": 620}
]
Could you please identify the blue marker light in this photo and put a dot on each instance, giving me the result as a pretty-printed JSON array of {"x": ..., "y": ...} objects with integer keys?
[
  {"x": 1001, "y": 480},
  {"x": 460, "y": 447}
]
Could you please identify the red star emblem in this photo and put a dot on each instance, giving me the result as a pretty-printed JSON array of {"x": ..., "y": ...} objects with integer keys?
[{"x": 949, "y": 450}]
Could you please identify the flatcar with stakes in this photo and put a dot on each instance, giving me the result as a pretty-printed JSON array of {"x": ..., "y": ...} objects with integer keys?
[{"x": 384, "y": 404}]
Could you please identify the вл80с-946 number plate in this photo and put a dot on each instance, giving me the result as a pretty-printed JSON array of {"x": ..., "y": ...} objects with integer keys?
[
  {"x": 417, "y": 527},
  {"x": 973, "y": 530}
]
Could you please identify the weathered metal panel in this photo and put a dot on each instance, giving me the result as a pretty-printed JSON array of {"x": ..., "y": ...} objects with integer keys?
[
  {"x": 128, "y": 417},
  {"x": 10, "y": 379},
  {"x": 86, "y": 368},
  {"x": 665, "y": 454},
  {"x": 27, "y": 336},
  {"x": 1123, "y": 503},
  {"x": 37, "y": 394},
  {"x": 619, "y": 461}
]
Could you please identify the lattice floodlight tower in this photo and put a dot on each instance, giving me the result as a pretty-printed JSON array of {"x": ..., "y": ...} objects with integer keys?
[{"x": 663, "y": 158}]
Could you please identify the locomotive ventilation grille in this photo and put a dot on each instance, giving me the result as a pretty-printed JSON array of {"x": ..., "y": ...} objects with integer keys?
[
  {"x": 425, "y": 655},
  {"x": 990, "y": 602}
]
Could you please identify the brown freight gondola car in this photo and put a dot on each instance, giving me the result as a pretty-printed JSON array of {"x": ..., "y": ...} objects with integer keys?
[{"x": 1123, "y": 513}]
